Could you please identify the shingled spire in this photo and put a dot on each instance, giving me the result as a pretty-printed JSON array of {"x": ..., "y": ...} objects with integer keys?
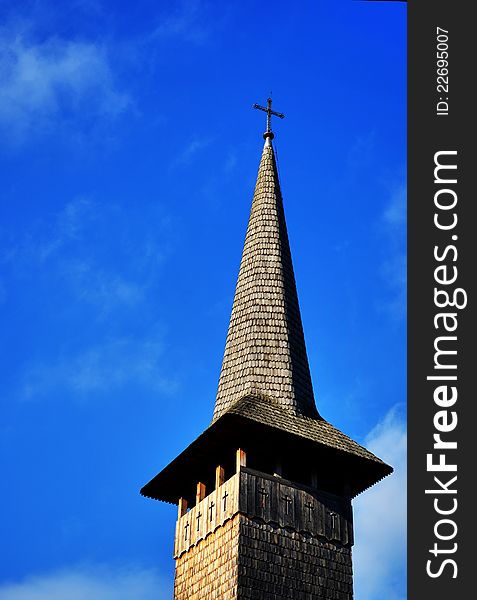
[
  {"x": 264, "y": 493},
  {"x": 265, "y": 353}
]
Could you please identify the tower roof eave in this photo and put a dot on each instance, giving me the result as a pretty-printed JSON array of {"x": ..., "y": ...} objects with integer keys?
[{"x": 266, "y": 426}]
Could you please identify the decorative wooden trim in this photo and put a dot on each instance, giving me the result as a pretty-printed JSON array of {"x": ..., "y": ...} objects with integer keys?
[
  {"x": 240, "y": 460},
  {"x": 219, "y": 476},
  {"x": 200, "y": 494},
  {"x": 272, "y": 500},
  {"x": 207, "y": 515},
  {"x": 182, "y": 507}
]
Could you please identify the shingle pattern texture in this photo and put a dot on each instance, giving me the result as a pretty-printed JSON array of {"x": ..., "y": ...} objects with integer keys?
[
  {"x": 265, "y": 350},
  {"x": 314, "y": 429},
  {"x": 247, "y": 559},
  {"x": 279, "y": 564},
  {"x": 209, "y": 570}
]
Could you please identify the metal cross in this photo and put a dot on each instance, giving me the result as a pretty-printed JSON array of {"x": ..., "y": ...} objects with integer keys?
[
  {"x": 211, "y": 508},
  {"x": 199, "y": 514},
  {"x": 224, "y": 498},
  {"x": 310, "y": 508},
  {"x": 264, "y": 495},
  {"x": 270, "y": 112},
  {"x": 186, "y": 529},
  {"x": 288, "y": 501}
]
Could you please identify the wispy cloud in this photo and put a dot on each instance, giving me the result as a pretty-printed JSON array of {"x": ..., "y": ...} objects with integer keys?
[
  {"x": 91, "y": 583},
  {"x": 54, "y": 83},
  {"x": 395, "y": 212},
  {"x": 187, "y": 21},
  {"x": 380, "y": 518},
  {"x": 361, "y": 151},
  {"x": 68, "y": 226},
  {"x": 394, "y": 273},
  {"x": 102, "y": 287},
  {"x": 93, "y": 250},
  {"x": 3, "y": 292},
  {"x": 90, "y": 6},
  {"x": 102, "y": 368},
  {"x": 393, "y": 223},
  {"x": 230, "y": 162},
  {"x": 191, "y": 150},
  {"x": 96, "y": 265}
]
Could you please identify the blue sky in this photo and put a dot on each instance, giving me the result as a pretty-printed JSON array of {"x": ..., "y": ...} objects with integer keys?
[{"x": 128, "y": 158}]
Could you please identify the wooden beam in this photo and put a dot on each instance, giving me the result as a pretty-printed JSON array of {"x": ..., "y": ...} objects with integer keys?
[
  {"x": 219, "y": 476},
  {"x": 182, "y": 509},
  {"x": 241, "y": 459},
  {"x": 200, "y": 495}
]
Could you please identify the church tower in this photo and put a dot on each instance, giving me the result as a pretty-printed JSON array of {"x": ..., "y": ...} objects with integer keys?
[{"x": 264, "y": 493}]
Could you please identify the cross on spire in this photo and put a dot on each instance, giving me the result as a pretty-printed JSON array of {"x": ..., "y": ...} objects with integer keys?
[{"x": 270, "y": 112}]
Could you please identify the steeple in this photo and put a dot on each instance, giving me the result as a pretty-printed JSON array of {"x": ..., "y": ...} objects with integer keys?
[
  {"x": 265, "y": 353},
  {"x": 265, "y": 403},
  {"x": 264, "y": 493}
]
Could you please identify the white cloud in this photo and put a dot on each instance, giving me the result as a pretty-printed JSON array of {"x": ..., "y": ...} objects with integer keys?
[
  {"x": 91, "y": 249},
  {"x": 191, "y": 149},
  {"x": 91, "y": 583},
  {"x": 53, "y": 82},
  {"x": 395, "y": 213},
  {"x": 67, "y": 227},
  {"x": 97, "y": 266},
  {"x": 361, "y": 151},
  {"x": 101, "y": 368},
  {"x": 185, "y": 22},
  {"x": 394, "y": 263},
  {"x": 380, "y": 518},
  {"x": 231, "y": 162},
  {"x": 394, "y": 272},
  {"x": 46, "y": 238},
  {"x": 103, "y": 288}
]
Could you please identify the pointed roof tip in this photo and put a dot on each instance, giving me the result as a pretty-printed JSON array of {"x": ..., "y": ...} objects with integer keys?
[
  {"x": 268, "y": 140},
  {"x": 268, "y": 137},
  {"x": 265, "y": 352}
]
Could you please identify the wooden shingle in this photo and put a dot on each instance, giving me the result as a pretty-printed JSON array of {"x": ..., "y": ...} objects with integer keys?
[{"x": 265, "y": 351}]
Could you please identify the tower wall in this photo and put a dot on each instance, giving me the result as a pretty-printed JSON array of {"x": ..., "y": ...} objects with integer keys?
[
  {"x": 282, "y": 564},
  {"x": 258, "y": 536},
  {"x": 209, "y": 569}
]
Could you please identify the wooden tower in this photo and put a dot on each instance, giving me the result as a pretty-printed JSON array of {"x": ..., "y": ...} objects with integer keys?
[{"x": 264, "y": 493}]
